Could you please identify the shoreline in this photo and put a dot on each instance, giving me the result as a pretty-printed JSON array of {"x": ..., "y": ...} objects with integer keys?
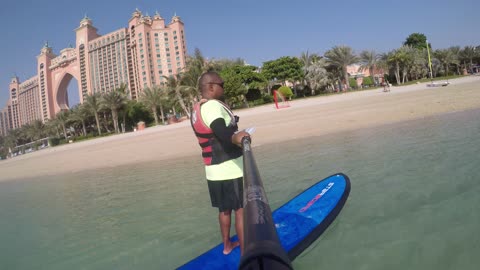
[{"x": 314, "y": 116}]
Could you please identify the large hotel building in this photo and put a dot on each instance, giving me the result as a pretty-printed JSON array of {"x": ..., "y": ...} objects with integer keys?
[{"x": 139, "y": 56}]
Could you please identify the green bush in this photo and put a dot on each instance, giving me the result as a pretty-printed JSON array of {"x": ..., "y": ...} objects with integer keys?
[
  {"x": 367, "y": 81},
  {"x": 267, "y": 98},
  {"x": 353, "y": 83},
  {"x": 256, "y": 102},
  {"x": 286, "y": 91},
  {"x": 253, "y": 94},
  {"x": 54, "y": 141}
]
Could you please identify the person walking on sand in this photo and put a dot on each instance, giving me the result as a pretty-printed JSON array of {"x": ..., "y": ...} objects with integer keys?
[
  {"x": 215, "y": 127},
  {"x": 386, "y": 86}
]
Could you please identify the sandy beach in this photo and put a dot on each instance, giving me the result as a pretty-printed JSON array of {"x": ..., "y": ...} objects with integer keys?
[{"x": 314, "y": 116}]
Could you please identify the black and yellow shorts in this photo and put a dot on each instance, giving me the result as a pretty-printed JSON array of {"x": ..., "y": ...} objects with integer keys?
[{"x": 226, "y": 194}]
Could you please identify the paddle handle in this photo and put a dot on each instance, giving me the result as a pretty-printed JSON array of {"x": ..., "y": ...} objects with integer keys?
[{"x": 262, "y": 245}]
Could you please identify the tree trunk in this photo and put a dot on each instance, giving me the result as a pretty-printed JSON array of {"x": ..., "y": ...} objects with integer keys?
[
  {"x": 155, "y": 116},
  {"x": 161, "y": 114},
  {"x": 347, "y": 81},
  {"x": 115, "y": 121},
  {"x": 182, "y": 103},
  {"x": 372, "y": 70},
  {"x": 124, "y": 120},
  {"x": 84, "y": 128},
  {"x": 397, "y": 72},
  {"x": 98, "y": 124},
  {"x": 106, "y": 122},
  {"x": 245, "y": 101},
  {"x": 64, "y": 131}
]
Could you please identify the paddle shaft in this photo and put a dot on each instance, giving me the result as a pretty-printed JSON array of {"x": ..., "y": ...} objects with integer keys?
[{"x": 262, "y": 245}]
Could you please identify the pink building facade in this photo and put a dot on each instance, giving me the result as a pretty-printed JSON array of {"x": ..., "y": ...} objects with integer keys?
[
  {"x": 355, "y": 72},
  {"x": 138, "y": 56}
]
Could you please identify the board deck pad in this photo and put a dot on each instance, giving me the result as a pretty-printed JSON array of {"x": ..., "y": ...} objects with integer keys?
[{"x": 299, "y": 222}]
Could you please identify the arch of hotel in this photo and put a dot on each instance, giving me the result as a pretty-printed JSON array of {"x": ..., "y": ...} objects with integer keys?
[
  {"x": 61, "y": 93},
  {"x": 63, "y": 69}
]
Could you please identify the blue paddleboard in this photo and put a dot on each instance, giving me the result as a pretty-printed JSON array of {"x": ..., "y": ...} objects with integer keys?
[{"x": 299, "y": 223}]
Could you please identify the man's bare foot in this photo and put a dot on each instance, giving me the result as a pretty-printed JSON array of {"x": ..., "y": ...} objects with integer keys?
[{"x": 228, "y": 248}]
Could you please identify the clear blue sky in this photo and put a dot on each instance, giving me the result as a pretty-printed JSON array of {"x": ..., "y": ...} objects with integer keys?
[{"x": 255, "y": 30}]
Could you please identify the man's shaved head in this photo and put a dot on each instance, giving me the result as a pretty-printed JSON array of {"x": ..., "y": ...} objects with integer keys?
[{"x": 205, "y": 78}]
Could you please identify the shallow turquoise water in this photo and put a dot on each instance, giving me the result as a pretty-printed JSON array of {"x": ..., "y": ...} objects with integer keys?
[{"x": 414, "y": 204}]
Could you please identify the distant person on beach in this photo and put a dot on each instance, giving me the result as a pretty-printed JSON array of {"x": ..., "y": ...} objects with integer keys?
[
  {"x": 216, "y": 129},
  {"x": 386, "y": 86}
]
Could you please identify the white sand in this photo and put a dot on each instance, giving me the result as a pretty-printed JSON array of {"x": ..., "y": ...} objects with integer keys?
[{"x": 306, "y": 117}]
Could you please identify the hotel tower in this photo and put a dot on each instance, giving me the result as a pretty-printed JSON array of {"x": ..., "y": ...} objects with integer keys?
[{"x": 138, "y": 56}]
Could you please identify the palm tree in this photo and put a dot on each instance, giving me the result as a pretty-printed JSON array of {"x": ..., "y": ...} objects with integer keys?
[
  {"x": 80, "y": 114},
  {"x": 317, "y": 75},
  {"x": 369, "y": 60},
  {"x": 12, "y": 139},
  {"x": 173, "y": 85},
  {"x": 35, "y": 130},
  {"x": 341, "y": 57},
  {"x": 153, "y": 98},
  {"x": 93, "y": 105},
  {"x": 456, "y": 55},
  {"x": 419, "y": 67},
  {"x": 467, "y": 54},
  {"x": 397, "y": 58},
  {"x": 62, "y": 118},
  {"x": 51, "y": 127},
  {"x": 195, "y": 67},
  {"x": 308, "y": 60},
  {"x": 446, "y": 57},
  {"x": 114, "y": 101}
]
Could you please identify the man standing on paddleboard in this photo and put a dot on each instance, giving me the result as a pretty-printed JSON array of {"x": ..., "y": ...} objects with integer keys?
[{"x": 216, "y": 129}]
